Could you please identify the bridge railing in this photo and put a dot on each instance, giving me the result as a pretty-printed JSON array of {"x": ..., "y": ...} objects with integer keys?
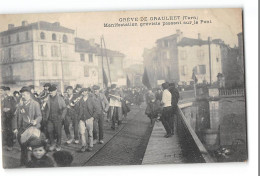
[
  {"x": 231, "y": 92},
  {"x": 192, "y": 147}
]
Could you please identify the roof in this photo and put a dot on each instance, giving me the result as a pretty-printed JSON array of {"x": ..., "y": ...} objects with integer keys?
[
  {"x": 167, "y": 37},
  {"x": 191, "y": 41},
  {"x": 82, "y": 45},
  {"x": 40, "y": 25}
]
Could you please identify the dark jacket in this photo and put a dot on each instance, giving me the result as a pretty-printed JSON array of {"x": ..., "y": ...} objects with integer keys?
[
  {"x": 175, "y": 96},
  {"x": 62, "y": 107},
  {"x": 90, "y": 108},
  {"x": 153, "y": 109},
  {"x": 33, "y": 114}
]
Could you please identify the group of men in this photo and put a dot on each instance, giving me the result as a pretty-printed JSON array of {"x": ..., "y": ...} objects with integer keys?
[
  {"x": 163, "y": 105},
  {"x": 82, "y": 108}
]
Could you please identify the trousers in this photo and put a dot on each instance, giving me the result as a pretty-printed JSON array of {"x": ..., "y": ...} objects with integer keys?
[
  {"x": 167, "y": 119},
  {"x": 98, "y": 127},
  {"x": 54, "y": 129},
  {"x": 75, "y": 123},
  {"x": 86, "y": 127}
]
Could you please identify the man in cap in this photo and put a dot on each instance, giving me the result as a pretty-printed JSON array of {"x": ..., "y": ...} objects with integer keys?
[
  {"x": 88, "y": 111},
  {"x": 175, "y": 98},
  {"x": 8, "y": 109},
  {"x": 55, "y": 114},
  {"x": 167, "y": 110},
  {"x": 103, "y": 105},
  {"x": 45, "y": 90},
  {"x": 71, "y": 101},
  {"x": 28, "y": 113},
  {"x": 115, "y": 106}
]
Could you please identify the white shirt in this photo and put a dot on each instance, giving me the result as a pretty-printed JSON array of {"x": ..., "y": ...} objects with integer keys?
[{"x": 166, "y": 98}]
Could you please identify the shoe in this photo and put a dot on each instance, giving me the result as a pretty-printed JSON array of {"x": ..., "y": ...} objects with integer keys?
[
  {"x": 113, "y": 128},
  {"x": 101, "y": 142},
  {"x": 76, "y": 141},
  {"x": 94, "y": 141},
  {"x": 83, "y": 149},
  {"x": 69, "y": 141},
  {"x": 52, "y": 148},
  {"x": 58, "y": 148},
  {"x": 167, "y": 135},
  {"x": 89, "y": 149}
]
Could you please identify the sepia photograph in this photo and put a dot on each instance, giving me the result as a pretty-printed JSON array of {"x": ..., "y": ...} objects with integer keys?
[{"x": 114, "y": 88}]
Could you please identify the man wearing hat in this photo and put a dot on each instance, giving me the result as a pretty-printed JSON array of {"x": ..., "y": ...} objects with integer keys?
[
  {"x": 55, "y": 114},
  {"x": 71, "y": 101},
  {"x": 28, "y": 113},
  {"x": 115, "y": 106},
  {"x": 8, "y": 109},
  {"x": 103, "y": 105},
  {"x": 45, "y": 90},
  {"x": 88, "y": 111}
]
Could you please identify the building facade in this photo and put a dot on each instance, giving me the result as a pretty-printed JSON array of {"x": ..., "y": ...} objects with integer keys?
[
  {"x": 37, "y": 53},
  {"x": 175, "y": 58}
]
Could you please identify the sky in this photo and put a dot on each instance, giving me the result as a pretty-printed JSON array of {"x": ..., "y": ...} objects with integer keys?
[{"x": 131, "y": 41}]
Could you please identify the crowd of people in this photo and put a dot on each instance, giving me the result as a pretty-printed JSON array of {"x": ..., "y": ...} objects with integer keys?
[
  {"x": 36, "y": 120},
  {"x": 162, "y": 105}
]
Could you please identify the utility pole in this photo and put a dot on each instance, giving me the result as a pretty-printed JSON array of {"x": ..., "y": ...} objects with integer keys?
[
  {"x": 209, "y": 41},
  {"x": 62, "y": 76},
  {"x": 107, "y": 60},
  {"x": 102, "y": 61}
]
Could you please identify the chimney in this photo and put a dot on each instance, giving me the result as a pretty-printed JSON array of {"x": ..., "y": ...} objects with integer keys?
[
  {"x": 209, "y": 39},
  {"x": 10, "y": 26},
  {"x": 199, "y": 36},
  {"x": 24, "y": 23},
  {"x": 178, "y": 31},
  {"x": 92, "y": 42},
  {"x": 56, "y": 24}
]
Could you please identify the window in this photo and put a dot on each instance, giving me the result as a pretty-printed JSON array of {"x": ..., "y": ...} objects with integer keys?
[
  {"x": 27, "y": 35},
  {"x": 17, "y": 38},
  {"x": 86, "y": 71},
  {"x": 200, "y": 54},
  {"x": 202, "y": 69},
  {"x": 111, "y": 59},
  {"x": 54, "y": 69},
  {"x": 42, "y": 35},
  {"x": 90, "y": 58},
  {"x": 82, "y": 57},
  {"x": 183, "y": 55},
  {"x": 66, "y": 69},
  {"x": 54, "y": 37},
  {"x": 184, "y": 70},
  {"x": 166, "y": 43},
  {"x": 217, "y": 59},
  {"x": 43, "y": 69},
  {"x": 54, "y": 51},
  {"x": 2, "y": 40},
  {"x": 42, "y": 50},
  {"x": 65, "y": 38},
  {"x": 9, "y": 39},
  {"x": 9, "y": 53}
]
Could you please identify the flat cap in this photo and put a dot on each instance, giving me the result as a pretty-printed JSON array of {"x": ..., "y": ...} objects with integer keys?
[
  {"x": 95, "y": 87},
  {"x": 36, "y": 143},
  {"x": 31, "y": 86},
  {"x": 113, "y": 86},
  {"x": 84, "y": 89},
  {"x": 2, "y": 87},
  {"x": 25, "y": 89},
  {"x": 69, "y": 87},
  {"x": 53, "y": 87},
  {"x": 47, "y": 85},
  {"x": 7, "y": 88}
]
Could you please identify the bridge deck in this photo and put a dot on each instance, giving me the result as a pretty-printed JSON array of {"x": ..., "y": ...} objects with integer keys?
[{"x": 161, "y": 150}]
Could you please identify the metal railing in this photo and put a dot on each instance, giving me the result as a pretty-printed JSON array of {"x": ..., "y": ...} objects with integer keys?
[
  {"x": 231, "y": 92},
  {"x": 192, "y": 147}
]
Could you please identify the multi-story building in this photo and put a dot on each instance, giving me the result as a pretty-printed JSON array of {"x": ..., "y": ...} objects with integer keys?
[
  {"x": 37, "y": 53},
  {"x": 86, "y": 55},
  {"x": 135, "y": 74},
  {"x": 175, "y": 58}
]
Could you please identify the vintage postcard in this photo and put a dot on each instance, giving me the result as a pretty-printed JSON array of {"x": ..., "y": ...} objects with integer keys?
[{"x": 123, "y": 88}]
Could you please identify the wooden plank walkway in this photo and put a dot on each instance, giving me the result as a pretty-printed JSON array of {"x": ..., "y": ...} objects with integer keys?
[{"x": 161, "y": 150}]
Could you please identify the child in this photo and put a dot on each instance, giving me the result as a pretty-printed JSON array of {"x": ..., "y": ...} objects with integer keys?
[
  {"x": 63, "y": 158},
  {"x": 153, "y": 109},
  {"x": 38, "y": 156}
]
